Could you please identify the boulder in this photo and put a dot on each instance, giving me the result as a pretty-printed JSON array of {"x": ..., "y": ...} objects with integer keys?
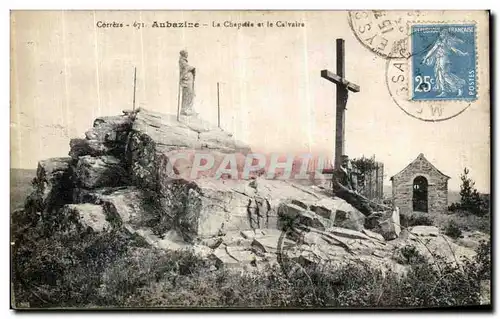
[
  {"x": 127, "y": 205},
  {"x": 168, "y": 242},
  {"x": 373, "y": 235},
  {"x": 233, "y": 222},
  {"x": 472, "y": 239},
  {"x": 154, "y": 135},
  {"x": 351, "y": 219},
  {"x": 167, "y": 133},
  {"x": 347, "y": 233},
  {"x": 333, "y": 246},
  {"x": 81, "y": 147},
  {"x": 218, "y": 139},
  {"x": 142, "y": 160},
  {"x": 472, "y": 244},
  {"x": 390, "y": 228},
  {"x": 53, "y": 170},
  {"x": 222, "y": 259},
  {"x": 432, "y": 231},
  {"x": 212, "y": 243},
  {"x": 203, "y": 251},
  {"x": 292, "y": 214},
  {"x": 266, "y": 244},
  {"x": 248, "y": 234},
  {"x": 385, "y": 223},
  {"x": 326, "y": 207},
  {"x": 373, "y": 220},
  {"x": 52, "y": 186},
  {"x": 299, "y": 204},
  {"x": 117, "y": 122},
  {"x": 396, "y": 220},
  {"x": 312, "y": 255},
  {"x": 93, "y": 172},
  {"x": 235, "y": 238},
  {"x": 242, "y": 255},
  {"x": 215, "y": 207},
  {"x": 326, "y": 249},
  {"x": 110, "y": 129},
  {"x": 132, "y": 206}
]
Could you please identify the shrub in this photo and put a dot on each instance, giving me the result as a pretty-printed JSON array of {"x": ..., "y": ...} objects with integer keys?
[
  {"x": 388, "y": 202},
  {"x": 140, "y": 267},
  {"x": 465, "y": 221},
  {"x": 454, "y": 207},
  {"x": 482, "y": 261},
  {"x": 409, "y": 255},
  {"x": 114, "y": 270},
  {"x": 415, "y": 219},
  {"x": 446, "y": 285},
  {"x": 150, "y": 278},
  {"x": 64, "y": 269},
  {"x": 470, "y": 199},
  {"x": 453, "y": 230}
]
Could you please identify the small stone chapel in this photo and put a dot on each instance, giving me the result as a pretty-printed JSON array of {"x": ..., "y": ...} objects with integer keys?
[{"x": 420, "y": 187}]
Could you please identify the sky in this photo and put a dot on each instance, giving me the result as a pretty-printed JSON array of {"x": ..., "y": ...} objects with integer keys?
[{"x": 66, "y": 71}]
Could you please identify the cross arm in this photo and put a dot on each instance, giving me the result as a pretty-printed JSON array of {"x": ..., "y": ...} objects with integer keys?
[{"x": 332, "y": 77}]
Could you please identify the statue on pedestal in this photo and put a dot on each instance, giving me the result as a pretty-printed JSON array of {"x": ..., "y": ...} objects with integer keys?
[{"x": 187, "y": 75}]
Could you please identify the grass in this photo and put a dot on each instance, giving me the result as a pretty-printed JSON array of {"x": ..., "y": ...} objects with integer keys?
[
  {"x": 453, "y": 230},
  {"x": 462, "y": 220},
  {"x": 142, "y": 277},
  {"x": 65, "y": 269},
  {"x": 465, "y": 221},
  {"x": 114, "y": 270}
]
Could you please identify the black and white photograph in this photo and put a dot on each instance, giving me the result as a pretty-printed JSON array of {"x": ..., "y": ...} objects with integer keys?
[{"x": 250, "y": 159}]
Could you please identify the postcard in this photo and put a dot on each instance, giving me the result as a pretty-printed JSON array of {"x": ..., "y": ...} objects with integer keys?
[{"x": 250, "y": 159}]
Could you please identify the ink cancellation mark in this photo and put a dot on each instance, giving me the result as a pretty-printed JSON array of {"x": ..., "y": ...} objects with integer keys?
[
  {"x": 381, "y": 31},
  {"x": 443, "y": 62}
]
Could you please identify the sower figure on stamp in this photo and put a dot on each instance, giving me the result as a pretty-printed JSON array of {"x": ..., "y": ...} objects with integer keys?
[
  {"x": 446, "y": 81},
  {"x": 187, "y": 75}
]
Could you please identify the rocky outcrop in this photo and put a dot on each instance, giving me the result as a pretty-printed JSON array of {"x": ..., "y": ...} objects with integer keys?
[
  {"x": 156, "y": 137},
  {"x": 219, "y": 206}
]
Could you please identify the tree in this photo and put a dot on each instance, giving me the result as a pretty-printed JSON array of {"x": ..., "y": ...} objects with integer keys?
[
  {"x": 364, "y": 166},
  {"x": 470, "y": 199}
]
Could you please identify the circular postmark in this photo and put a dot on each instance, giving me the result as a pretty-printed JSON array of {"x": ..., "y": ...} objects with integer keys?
[
  {"x": 380, "y": 31},
  {"x": 399, "y": 81}
]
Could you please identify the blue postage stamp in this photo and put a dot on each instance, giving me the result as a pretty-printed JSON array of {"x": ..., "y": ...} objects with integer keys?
[{"x": 443, "y": 62}]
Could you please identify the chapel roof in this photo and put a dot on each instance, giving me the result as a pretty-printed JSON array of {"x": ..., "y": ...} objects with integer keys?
[{"x": 420, "y": 157}]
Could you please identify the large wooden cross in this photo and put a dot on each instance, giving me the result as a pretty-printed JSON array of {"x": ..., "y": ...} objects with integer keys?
[{"x": 343, "y": 86}]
